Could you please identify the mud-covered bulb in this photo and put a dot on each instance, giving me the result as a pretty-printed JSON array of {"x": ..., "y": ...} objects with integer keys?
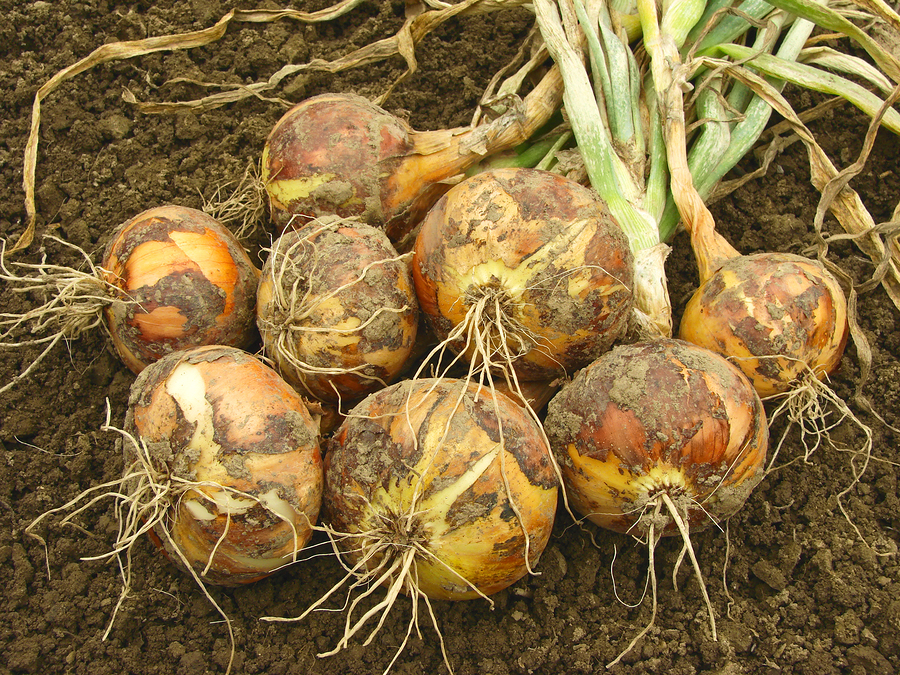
[
  {"x": 452, "y": 483},
  {"x": 182, "y": 280},
  {"x": 777, "y": 316},
  {"x": 336, "y": 309},
  {"x": 524, "y": 270},
  {"x": 239, "y": 452},
  {"x": 341, "y": 154},
  {"x": 662, "y": 417}
]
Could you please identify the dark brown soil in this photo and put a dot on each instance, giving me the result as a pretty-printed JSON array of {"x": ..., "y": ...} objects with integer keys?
[{"x": 813, "y": 579}]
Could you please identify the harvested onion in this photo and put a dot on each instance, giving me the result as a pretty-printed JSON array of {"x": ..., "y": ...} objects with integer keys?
[
  {"x": 777, "y": 316},
  {"x": 523, "y": 270},
  {"x": 341, "y": 154},
  {"x": 439, "y": 489},
  {"x": 171, "y": 278},
  {"x": 336, "y": 309},
  {"x": 658, "y": 438},
  {"x": 222, "y": 470},
  {"x": 185, "y": 281},
  {"x": 240, "y": 454},
  {"x": 656, "y": 418}
]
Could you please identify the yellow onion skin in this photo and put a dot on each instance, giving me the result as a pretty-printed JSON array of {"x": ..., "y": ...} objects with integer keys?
[
  {"x": 358, "y": 314},
  {"x": 183, "y": 280},
  {"x": 774, "y": 315},
  {"x": 334, "y": 154},
  {"x": 218, "y": 416},
  {"x": 444, "y": 462},
  {"x": 658, "y": 416},
  {"x": 550, "y": 251}
]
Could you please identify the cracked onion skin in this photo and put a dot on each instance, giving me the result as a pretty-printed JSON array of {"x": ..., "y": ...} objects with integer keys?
[
  {"x": 446, "y": 464},
  {"x": 542, "y": 245},
  {"x": 773, "y": 315},
  {"x": 658, "y": 416},
  {"x": 218, "y": 416},
  {"x": 336, "y": 309},
  {"x": 183, "y": 280}
]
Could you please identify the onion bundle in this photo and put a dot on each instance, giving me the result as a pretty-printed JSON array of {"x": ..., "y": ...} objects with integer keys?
[
  {"x": 336, "y": 309},
  {"x": 657, "y": 438},
  {"x": 439, "y": 489},
  {"x": 171, "y": 278},
  {"x": 524, "y": 272}
]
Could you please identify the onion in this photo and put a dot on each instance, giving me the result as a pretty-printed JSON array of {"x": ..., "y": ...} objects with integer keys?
[
  {"x": 336, "y": 309},
  {"x": 523, "y": 270},
  {"x": 658, "y": 438},
  {"x": 223, "y": 471},
  {"x": 341, "y": 154},
  {"x": 185, "y": 281},
  {"x": 777, "y": 316},
  {"x": 440, "y": 489},
  {"x": 171, "y": 278},
  {"x": 240, "y": 453}
]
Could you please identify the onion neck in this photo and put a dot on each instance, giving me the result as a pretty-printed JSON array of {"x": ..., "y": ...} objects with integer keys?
[{"x": 437, "y": 158}]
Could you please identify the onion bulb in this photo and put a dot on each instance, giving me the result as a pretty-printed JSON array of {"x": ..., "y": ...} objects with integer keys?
[
  {"x": 223, "y": 471},
  {"x": 524, "y": 270},
  {"x": 777, "y": 316},
  {"x": 336, "y": 309},
  {"x": 235, "y": 452},
  {"x": 184, "y": 281},
  {"x": 171, "y": 278},
  {"x": 657, "y": 438},
  {"x": 341, "y": 154},
  {"x": 439, "y": 489}
]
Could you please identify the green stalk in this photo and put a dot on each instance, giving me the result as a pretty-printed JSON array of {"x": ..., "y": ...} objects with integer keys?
[
  {"x": 813, "y": 78},
  {"x": 707, "y": 167},
  {"x": 730, "y": 26},
  {"x": 605, "y": 169},
  {"x": 828, "y": 18}
]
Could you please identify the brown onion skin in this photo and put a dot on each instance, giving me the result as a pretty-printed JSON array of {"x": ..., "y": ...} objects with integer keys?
[
  {"x": 374, "y": 458},
  {"x": 328, "y": 257},
  {"x": 334, "y": 154},
  {"x": 486, "y": 231},
  {"x": 661, "y": 415},
  {"x": 770, "y": 305},
  {"x": 184, "y": 281},
  {"x": 263, "y": 442}
]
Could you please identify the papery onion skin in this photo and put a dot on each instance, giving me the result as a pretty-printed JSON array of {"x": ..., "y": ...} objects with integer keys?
[
  {"x": 367, "y": 329},
  {"x": 547, "y": 245},
  {"x": 185, "y": 281},
  {"x": 334, "y": 154},
  {"x": 661, "y": 415},
  {"x": 216, "y": 414},
  {"x": 463, "y": 512},
  {"x": 774, "y": 315}
]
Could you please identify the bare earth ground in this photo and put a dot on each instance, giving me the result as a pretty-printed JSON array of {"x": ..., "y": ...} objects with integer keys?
[{"x": 806, "y": 593}]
